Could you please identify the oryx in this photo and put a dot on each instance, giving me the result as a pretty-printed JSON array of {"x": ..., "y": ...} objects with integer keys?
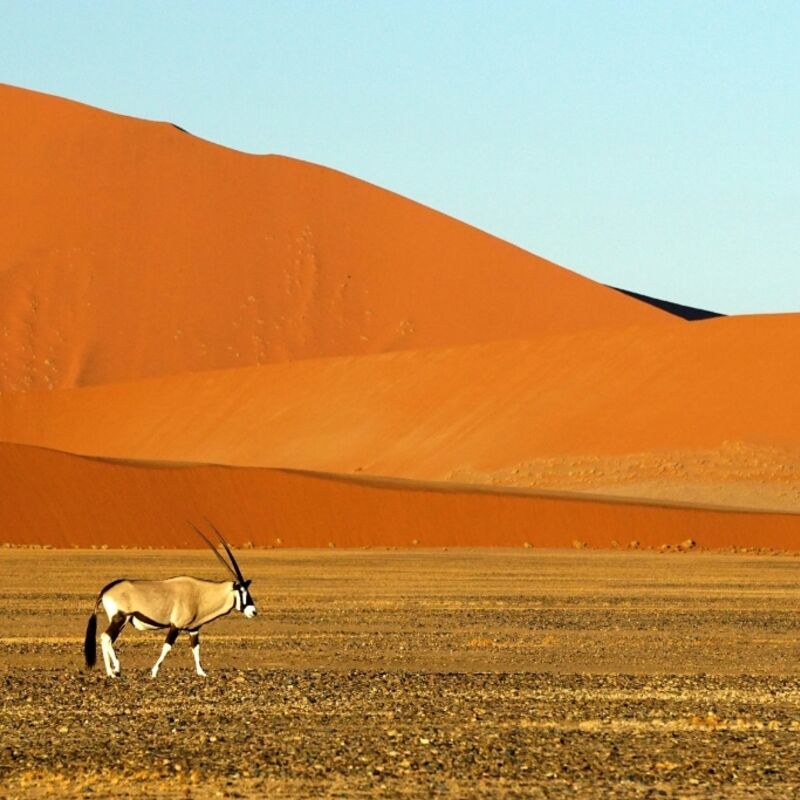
[{"x": 179, "y": 604}]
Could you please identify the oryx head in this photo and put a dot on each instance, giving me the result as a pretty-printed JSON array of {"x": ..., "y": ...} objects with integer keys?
[{"x": 242, "y": 598}]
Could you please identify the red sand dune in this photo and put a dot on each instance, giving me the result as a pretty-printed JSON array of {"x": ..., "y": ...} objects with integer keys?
[
  {"x": 503, "y": 412},
  {"x": 132, "y": 249},
  {"x": 59, "y": 499},
  {"x": 188, "y": 303}
]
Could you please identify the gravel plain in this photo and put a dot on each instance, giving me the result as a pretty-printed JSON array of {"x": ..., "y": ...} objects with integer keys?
[{"x": 470, "y": 673}]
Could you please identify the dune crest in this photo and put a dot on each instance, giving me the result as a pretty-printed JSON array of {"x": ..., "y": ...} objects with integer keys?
[{"x": 131, "y": 249}]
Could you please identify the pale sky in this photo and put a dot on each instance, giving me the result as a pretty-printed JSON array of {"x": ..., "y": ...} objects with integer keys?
[{"x": 649, "y": 145}]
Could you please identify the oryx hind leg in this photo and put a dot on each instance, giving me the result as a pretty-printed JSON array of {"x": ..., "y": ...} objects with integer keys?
[
  {"x": 172, "y": 635},
  {"x": 107, "y": 639},
  {"x": 194, "y": 640}
]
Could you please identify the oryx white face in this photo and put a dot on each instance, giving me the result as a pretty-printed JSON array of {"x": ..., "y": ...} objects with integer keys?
[{"x": 244, "y": 600}]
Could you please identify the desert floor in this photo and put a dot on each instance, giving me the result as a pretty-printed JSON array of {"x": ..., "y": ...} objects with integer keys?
[{"x": 467, "y": 673}]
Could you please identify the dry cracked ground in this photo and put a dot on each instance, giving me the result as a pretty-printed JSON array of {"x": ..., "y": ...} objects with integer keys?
[{"x": 469, "y": 673}]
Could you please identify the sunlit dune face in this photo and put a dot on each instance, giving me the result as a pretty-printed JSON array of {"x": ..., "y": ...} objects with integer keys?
[{"x": 316, "y": 263}]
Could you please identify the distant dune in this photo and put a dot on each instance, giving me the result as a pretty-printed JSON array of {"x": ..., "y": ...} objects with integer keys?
[
  {"x": 210, "y": 319},
  {"x": 131, "y": 249},
  {"x": 690, "y": 412},
  {"x": 679, "y": 310},
  {"x": 64, "y": 500}
]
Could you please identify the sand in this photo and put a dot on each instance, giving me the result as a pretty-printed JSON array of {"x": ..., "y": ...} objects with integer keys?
[
  {"x": 132, "y": 249},
  {"x": 58, "y": 499},
  {"x": 484, "y": 673},
  {"x": 305, "y": 356},
  {"x": 698, "y": 413}
]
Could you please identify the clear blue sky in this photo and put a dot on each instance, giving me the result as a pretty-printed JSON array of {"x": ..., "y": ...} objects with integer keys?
[{"x": 650, "y": 145}]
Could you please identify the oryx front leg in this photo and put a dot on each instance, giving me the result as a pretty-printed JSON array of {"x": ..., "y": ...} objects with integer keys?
[
  {"x": 194, "y": 639},
  {"x": 107, "y": 639},
  {"x": 172, "y": 635}
]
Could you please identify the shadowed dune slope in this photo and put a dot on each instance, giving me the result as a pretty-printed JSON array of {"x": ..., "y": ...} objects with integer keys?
[
  {"x": 131, "y": 249},
  {"x": 429, "y": 413},
  {"x": 63, "y": 500}
]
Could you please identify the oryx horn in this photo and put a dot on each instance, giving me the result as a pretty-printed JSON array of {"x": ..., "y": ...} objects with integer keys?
[
  {"x": 216, "y": 552},
  {"x": 227, "y": 549}
]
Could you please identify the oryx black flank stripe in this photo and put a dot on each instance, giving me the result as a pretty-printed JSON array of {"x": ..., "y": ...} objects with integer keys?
[
  {"x": 161, "y": 625},
  {"x": 147, "y": 621}
]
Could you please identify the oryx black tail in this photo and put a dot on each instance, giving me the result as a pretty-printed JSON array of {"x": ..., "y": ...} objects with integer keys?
[{"x": 90, "y": 642}]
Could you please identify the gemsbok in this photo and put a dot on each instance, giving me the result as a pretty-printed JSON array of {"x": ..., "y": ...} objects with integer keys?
[{"x": 177, "y": 604}]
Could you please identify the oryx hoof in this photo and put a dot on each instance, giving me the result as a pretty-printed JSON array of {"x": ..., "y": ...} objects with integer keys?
[{"x": 202, "y": 674}]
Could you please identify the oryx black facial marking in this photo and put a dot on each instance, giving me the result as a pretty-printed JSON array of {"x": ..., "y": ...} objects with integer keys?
[
  {"x": 178, "y": 604},
  {"x": 244, "y": 601}
]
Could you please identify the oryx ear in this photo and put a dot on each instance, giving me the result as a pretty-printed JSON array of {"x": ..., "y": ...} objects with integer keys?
[{"x": 247, "y": 584}]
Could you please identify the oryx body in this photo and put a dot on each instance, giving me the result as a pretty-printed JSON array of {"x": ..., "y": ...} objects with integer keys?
[{"x": 176, "y": 604}]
